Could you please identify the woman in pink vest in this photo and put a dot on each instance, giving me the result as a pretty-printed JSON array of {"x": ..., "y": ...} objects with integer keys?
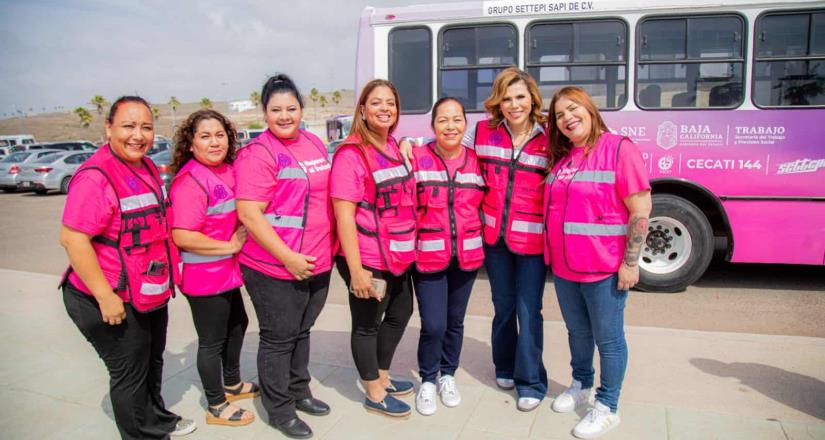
[
  {"x": 450, "y": 250},
  {"x": 373, "y": 193},
  {"x": 598, "y": 204},
  {"x": 120, "y": 278},
  {"x": 206, "y": 230},
  {"x": 283, "y": 200}
]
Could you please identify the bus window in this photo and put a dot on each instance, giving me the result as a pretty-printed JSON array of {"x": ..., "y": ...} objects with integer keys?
[
  {"x": 693, "y": 62},
  {"x": 471, "y": 57},
  {"x": 589, "y": 54},
  {"x": 790, "y": 50},
  {"x": 411, "y": 66}
]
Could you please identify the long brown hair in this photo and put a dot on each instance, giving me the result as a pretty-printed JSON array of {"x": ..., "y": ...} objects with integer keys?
[
  {"x": 505, "y": 79},
  {"x": 360, "y": 127},
  {"x": 186, "y": 134},
  {"x": 560, "y": 145}
]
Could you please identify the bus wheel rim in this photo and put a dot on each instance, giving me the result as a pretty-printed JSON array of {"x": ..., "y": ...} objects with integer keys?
[{"x": 668, "y": 246}]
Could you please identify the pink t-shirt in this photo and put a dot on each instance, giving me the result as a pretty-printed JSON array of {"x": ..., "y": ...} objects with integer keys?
[
  {"x": 349, "y": 182},
  {"x": 92, "y": 208},
  {"x": 631, "y": 178},
  {"x": 453, "y": 164},
  {"x": 189, "y": 202},
  {"x": 256, "y": 174}
]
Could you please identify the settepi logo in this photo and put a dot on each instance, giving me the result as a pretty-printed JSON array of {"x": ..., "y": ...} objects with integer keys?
[
  {"x": 801, "y": 166},
  {"x": 667, "y": 135}
]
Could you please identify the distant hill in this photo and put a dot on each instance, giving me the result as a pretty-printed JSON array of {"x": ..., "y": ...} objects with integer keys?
[{"x": 66, "y": 125}]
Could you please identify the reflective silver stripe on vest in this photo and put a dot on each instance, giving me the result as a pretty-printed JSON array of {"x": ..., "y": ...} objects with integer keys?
[
  {"x": 532, "y": 160},
  {"x": 431, "y": 245},
  {"x": 285, "y": 221},
  {"x": 402, "y": 246},
  {"x": 144, "y": 200},
  {"x": 389, "y": 173},
  {"x": 595, "y": 176},
  {"x": 431, "y": 176},
  {"x": 191, "y": 258},
  {"x": 594, "y": 229},
  {"x": 527, "y": 227},
  {"x": 292, "y": 173},
  {"x": 163, "y": 189},
  {"x": 470, "y": 178},
  {"x": 472, "y": 243},
  {"x": 550, "y": 178},
  {"x": 493, "y": 151},
  {"x": 222, "y": 208},
  {"x": 489, "y": 220},
  {"x": 154, "y": 289}
]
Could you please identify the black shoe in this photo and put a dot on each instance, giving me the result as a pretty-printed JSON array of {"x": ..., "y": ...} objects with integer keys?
[
  {"x": 294, "y": 428},
  {"x": 312, "y": 406}
]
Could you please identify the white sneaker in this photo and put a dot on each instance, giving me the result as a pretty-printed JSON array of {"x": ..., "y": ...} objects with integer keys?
[
  {"x": 571, "y": 398},
  {"x": 448, "y": 391},
  {"x": 505, "y": 384},
  {"x": 184, "y": 427},
  {"x": 527, "y": 403},
  {"x": 597, "y": 422},
  {"x": 425, "y": 399}
]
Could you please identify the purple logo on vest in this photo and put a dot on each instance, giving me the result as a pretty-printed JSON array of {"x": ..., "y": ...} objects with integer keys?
[
  {"x": 496, "y": 138},
  {"x": 284, "y": 160},
  {"x": 220, "y": 192},
  {"x": 381, "y": 160},
  {"x": 426, "y": 162},
  {"x": 132, "y": 182}
]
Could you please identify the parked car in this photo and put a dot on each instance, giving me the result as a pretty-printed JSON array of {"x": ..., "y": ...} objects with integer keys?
[
  {"x": 72, "y": 146},
  {"x": 4, "y": 151},
  {"x": 159, "y": 145},
  {"x": 162, "y": 161},
  {"x": 10, "y": 167},
  {"x": 52, "y": 172}
]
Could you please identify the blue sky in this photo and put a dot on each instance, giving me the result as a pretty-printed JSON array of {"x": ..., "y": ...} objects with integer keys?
[{"x": 61, "y": 53}]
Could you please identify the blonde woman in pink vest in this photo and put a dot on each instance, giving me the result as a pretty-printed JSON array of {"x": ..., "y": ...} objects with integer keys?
[
  {"x": 283, "y": 200},
  {"x": 450, "y": 251},
  {"x": 598, "y": 204},
  {"x": 205, "y": 228},
  {"x": 121, "y": 273},
  {"x": 373, "y": 193}
]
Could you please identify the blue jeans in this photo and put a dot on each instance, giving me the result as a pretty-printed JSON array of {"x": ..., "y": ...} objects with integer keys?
[
  {"x": 517, "y": 282},
  {"x": 594, "y": 315},
  {"x": 442, "y": 304}
]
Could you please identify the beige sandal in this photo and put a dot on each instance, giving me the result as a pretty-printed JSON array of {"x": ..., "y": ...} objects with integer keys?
[
  {"x": 239, "y": 393},
  {"x": 213, "y": 416}
]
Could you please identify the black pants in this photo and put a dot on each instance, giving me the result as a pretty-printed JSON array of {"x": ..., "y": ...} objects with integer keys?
[
  {"x": 286, "y": 312},
  {"x": 220, "y": 321},
  {"x": 133, "y": 354},
  {"x": 377, "y": 326}
]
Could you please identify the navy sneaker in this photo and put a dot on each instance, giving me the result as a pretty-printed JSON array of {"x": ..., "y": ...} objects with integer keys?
[
  {"x": 390, "y": 407},
  {"x": 400, "y": 387}
]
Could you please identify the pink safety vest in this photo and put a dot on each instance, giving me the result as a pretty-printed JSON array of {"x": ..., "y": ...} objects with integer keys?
[
  {"x": 205, "y": 275},
  {"x": 147, "y": 270},
  {"x": 287, "y": 212},
  {"x": 595, "y": 217},
  {"x": 386, "y": 216},
  {"x": 512, "y": 206},
  {"x": 449, "y": 215}
]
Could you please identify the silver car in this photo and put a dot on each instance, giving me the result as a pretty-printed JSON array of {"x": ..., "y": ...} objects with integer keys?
[
  {"x": 12, "y": 164},
  {"x": 52, "y": 172}
]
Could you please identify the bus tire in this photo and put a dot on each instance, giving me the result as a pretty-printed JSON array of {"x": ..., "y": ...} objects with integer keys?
[{"x": 678, "y": 247}]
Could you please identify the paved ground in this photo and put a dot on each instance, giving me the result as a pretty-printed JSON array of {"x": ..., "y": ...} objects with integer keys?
[{"x": 680, "y": 384}]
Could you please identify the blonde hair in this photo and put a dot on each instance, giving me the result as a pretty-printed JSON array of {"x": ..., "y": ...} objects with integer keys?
[
  {"x": 360, "y": 128},
  {"x": 505, "y": 79},
  {"x": 560, "y": 145}
]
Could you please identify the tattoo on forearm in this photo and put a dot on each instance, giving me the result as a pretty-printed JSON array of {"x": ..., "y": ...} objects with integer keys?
[{"x": 636, "y": 233}]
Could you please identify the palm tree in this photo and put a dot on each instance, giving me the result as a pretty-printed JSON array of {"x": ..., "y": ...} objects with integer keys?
[
  {"x": 206, "y": 103},
  {"x": 174, "y": 104},
  {"x": 84, "y": 115},
  {"x": 323, "y": 101},
  {"x": 336, "y": 97},
  {"x": 255, "y": 97},
  {"x": 314, "y": 95},
  {"x": 99, "y": 102},
  {"x": 155, "y": 112}
]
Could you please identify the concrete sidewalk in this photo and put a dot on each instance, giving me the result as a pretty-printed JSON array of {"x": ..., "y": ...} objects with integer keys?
[{"x": 680, "y": 384}]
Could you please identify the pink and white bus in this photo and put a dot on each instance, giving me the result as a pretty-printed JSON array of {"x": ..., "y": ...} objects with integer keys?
[{"x": 726, "y": 98}]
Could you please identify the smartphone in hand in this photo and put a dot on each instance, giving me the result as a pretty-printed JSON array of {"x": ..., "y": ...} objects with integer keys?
[{"x": 379, "y": 286}]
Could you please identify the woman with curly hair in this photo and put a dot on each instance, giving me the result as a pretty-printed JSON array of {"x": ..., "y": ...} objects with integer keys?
[{"x": 206, "y": 230}]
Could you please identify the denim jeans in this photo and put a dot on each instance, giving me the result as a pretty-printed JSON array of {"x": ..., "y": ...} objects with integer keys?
[
  {"x": 517, "y": 282},
  {"x": 594, "y": 315},
  {"x": 442, "y": 304}
]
